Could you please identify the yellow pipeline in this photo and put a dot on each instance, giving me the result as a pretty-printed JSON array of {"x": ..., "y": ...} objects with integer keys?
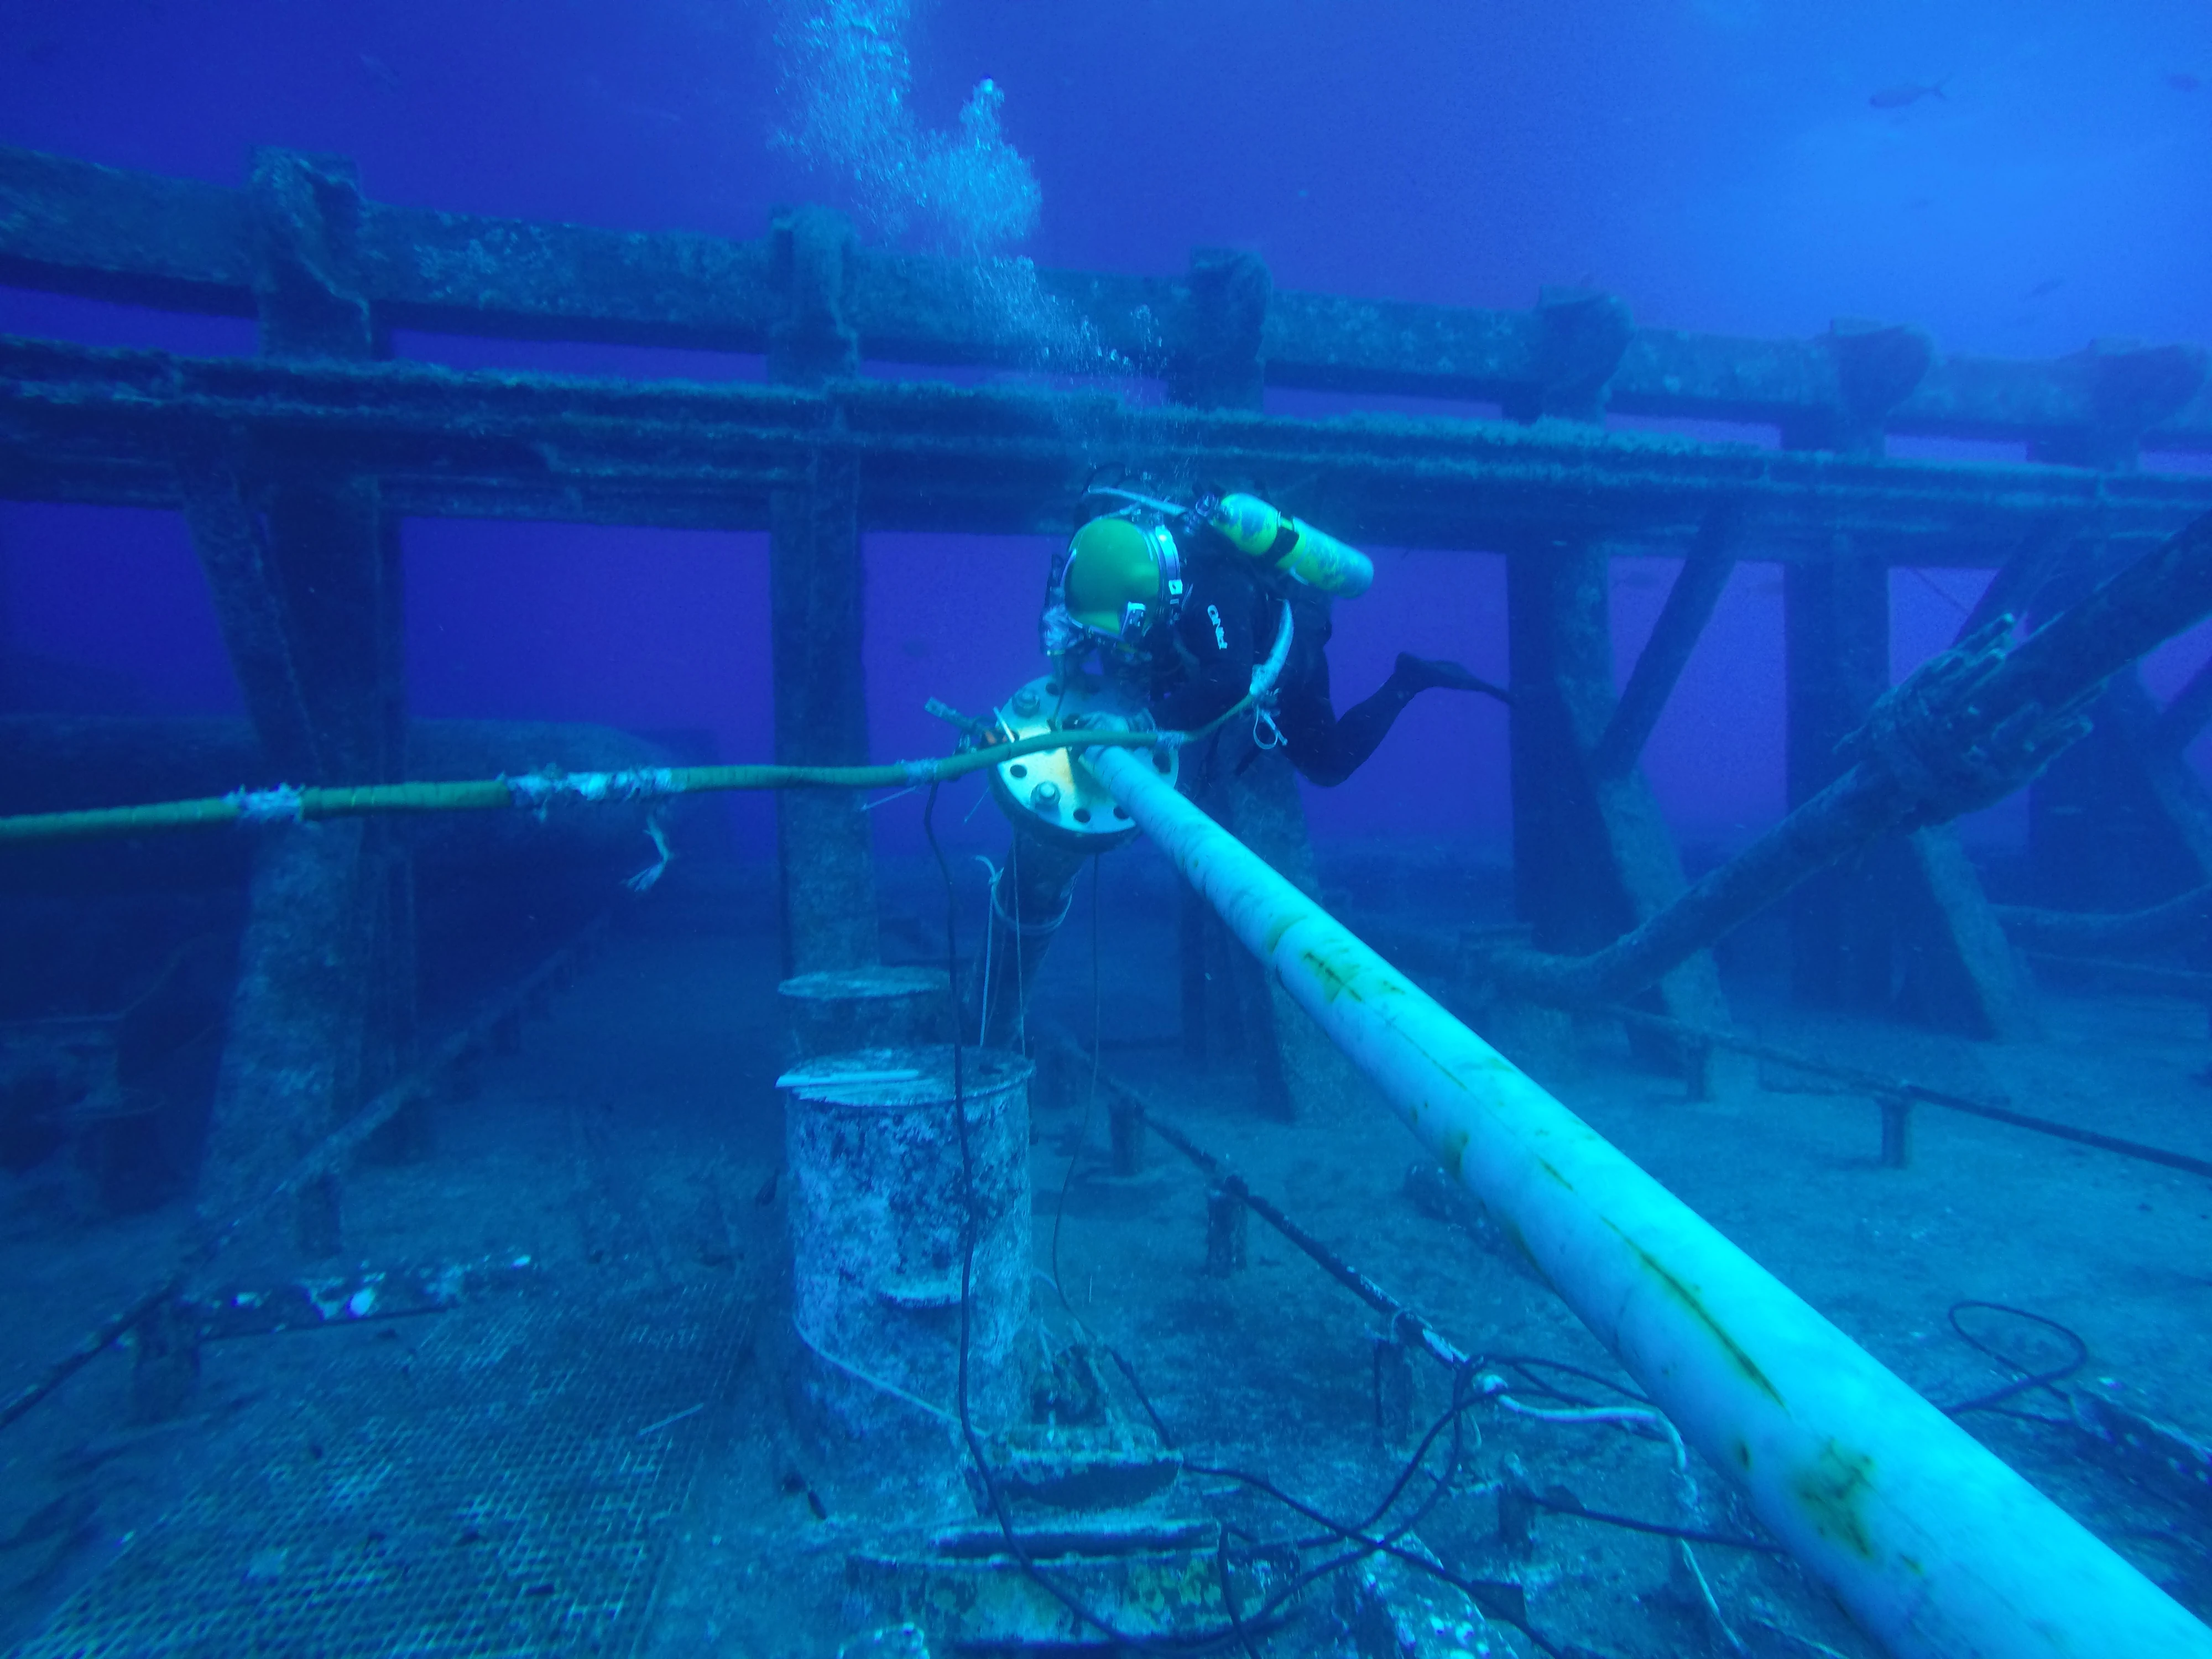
[
  {"x": 537, "y": 790},
  {"x": 1937, "y": 1547},
  {"x": 530, "y": 790}
]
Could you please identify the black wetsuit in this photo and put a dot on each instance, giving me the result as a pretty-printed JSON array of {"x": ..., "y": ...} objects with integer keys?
[{"x": 1202, "y": 664}]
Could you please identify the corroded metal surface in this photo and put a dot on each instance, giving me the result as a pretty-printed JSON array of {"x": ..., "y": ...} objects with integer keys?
[
  {"x": 76, "y": 228},
  {"x": 510, "y": 1490},
  {"x": 101, "y": 426}
]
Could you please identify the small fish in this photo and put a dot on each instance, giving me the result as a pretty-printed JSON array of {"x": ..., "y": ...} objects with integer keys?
[
  {"x": 1905, "y": 93},
  {"x": 379, "y": 73},
  {"x": 2183, "y": 81},
  {"x": 2048, "y": 286}
]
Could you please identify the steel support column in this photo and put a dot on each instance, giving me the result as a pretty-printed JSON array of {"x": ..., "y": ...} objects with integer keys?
[
  {"x": 2109, "y": 828},
  {"x": 825, "y": 849},
  {"x": 1592, "y": 857},
  {"x": 304, "y": 565},
  {"x": 1216, "y": 362},
  {"x": 1836, "y": 622}
]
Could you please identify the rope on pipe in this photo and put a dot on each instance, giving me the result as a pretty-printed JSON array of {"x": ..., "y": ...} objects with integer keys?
[{"x": 539, "y": 791}]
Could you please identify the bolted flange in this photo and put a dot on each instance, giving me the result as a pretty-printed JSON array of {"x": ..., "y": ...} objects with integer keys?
[{"x": 1052, "y": 795}]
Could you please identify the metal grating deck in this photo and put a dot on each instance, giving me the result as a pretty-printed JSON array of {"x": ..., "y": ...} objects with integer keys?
[{"x": 493, "y": 1496}]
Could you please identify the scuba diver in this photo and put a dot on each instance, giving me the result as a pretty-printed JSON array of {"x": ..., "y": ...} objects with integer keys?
[{"x": 1183, "y": 601}]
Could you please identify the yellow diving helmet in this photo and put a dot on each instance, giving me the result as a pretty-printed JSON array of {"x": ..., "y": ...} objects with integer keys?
[{"x": 1120, "y": 576}]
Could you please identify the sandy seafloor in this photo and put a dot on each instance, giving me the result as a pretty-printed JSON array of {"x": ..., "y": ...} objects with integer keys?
[{"x": 627, "y": 1151}]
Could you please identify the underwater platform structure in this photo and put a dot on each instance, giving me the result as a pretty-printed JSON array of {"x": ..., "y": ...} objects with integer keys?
[{"x": 293, "y": 469}]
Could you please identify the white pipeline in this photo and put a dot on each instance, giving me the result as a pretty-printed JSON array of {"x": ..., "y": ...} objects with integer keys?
[{"x": 1936, "y": 1545}]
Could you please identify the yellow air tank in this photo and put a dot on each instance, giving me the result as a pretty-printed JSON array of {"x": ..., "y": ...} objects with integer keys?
[{"x": 1314, "y": 556}]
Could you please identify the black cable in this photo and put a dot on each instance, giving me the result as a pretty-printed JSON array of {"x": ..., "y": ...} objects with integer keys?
[
  {"x": 968, "y": 1435},
  {"x": 1059, "y": 1209},
  {"x": 1365, "y": 1546},
  {"x": 1929, "y": 582},
  {"x": 2027, "y": 1380},
  {"x": 1021, "y": 977},
  {"x": 1089, "y": 1101},
  {"x": 1229, "y": 1591},
  {"x": 1657, "y": 1529},
  {"x": 1240, "y": 1628},
  {"x": 1129, "y": 1375},
  {"x": 1195, "y": 1643},
  {"x": 1341, "y": 1531},
  {"x": 1528, "y": 1365},
  {"x": 1387, "y": 1544}
]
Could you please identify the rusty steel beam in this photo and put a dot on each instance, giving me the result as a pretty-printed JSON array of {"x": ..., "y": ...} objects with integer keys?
[
  {"x": 80, "y": 424},
  {"x": 1966, "y": 729},
  {"x": 72, "y": 227}
]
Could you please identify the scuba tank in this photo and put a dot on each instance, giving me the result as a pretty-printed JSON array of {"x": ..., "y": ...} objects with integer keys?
[{"x": 1287, "y": 543}]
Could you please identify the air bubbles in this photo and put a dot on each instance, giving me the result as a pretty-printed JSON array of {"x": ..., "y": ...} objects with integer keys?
[{"x": 846, "y": 84}]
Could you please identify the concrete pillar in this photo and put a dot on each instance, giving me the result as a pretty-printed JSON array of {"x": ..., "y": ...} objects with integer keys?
[
  {"x": 295, "y": 1058},
  {"x": 1918, "y": 908},
  {"x": 1591, "y": 856},
  {"x": 1558, "y": 610},
  {"x": 1214, "y": 359},
  {"x": 2107, "y": 829},
  {"x": 1215, "y": 362},
  {"x": 839, "y": 1011},
  {"x": 1836, "y": 622},
  {"x": 2110, "y": 821},
  {"x": 304, "y": 569},
  {"x": 1297, "y": 1073},
  {"x": 1681, "y": 622},
  {"x": 1959, "y": 971},
  {"x": 825, "y": 852}
]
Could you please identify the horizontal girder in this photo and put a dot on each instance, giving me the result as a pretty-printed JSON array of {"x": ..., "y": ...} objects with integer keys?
[{"x": 82, "y": 424}]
